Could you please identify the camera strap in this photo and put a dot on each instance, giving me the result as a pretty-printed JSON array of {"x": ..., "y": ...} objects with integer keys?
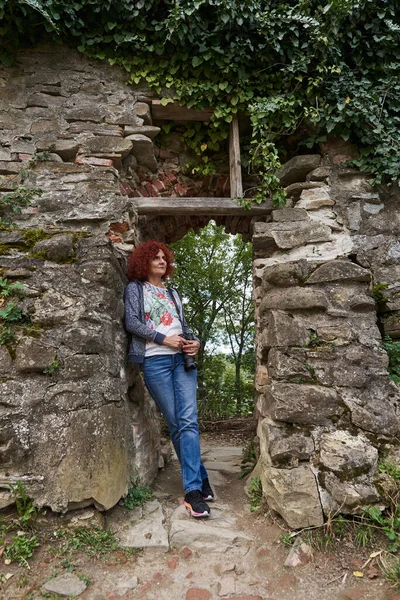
[{"x": 172, "y": 296}]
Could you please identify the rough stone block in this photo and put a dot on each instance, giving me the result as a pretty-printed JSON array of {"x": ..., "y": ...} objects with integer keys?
[
  {"x": 374, "y": 409},
  {"x": 284, "y": 274},
  {"x": 143, "y": 112},
  {"x": 297, "y": 168},
  {"x": 58, "y": 248},
  {"x": 339, "y": 270},
  {"x": 32, "y": 356},
  {"x": 294, "y": 190},
  {"x": 285, "y": 445},
  {"x": 293, "y": 493},
  {"x": 338, "y": 335},
  {"x": 5, "y": 360},
  {"x": 66, "y": 149},
  {"x": 282, "y": 365},
  {"x": 106, "y": 144},
  {"x": 391, "y": 325},
  {"x": 315, "y": 198},
  {"x": 349, "y": 496},
  {"x": 143, "y": 151},
  {"x": 290, "y": 214},
  {"x": 346, "y": 454},
  {"x": 283, "y": 330},
  {"x": 147, "y": 130},
  {"x": 81, "y": 366},
  {"x": 319, "y": 174},
  {"x": 295, "y": 298},
  {"x": 287, "y": 235},
  {"x": 303, "y": 404}
]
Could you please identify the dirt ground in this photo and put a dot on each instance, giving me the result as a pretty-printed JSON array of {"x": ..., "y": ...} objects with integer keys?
[{"x": 250, "y": 569}]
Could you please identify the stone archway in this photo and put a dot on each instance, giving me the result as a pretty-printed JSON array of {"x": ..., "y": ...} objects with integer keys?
[{"x": 326, "y": 408}]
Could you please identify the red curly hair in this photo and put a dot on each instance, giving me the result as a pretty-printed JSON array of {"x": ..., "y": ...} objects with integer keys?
[{"x": 140, "y": 258}]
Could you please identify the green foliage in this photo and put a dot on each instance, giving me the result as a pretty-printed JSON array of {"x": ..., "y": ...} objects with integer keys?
[
  {"x": 255, "y": 494},
  {"x": 94, "y": 541},
  {"x": 21, "y": 547},
  {"x": 214, "y": 277},
  {"x": 25, "y": 508},
  {"x": 53, "y": 367},
  {"x": 390, "y": 566},
  {"x": 11, "y": 313},
  {"x": 287, "y": 539},
  {"x": 301, "y": 69},
  {"x": 392, "y": 347},
  {"x": 388, "y": 522},
  {"x": 10, "y": 289},
  {"x": 137, "y": 495},
  {"x": 377, "y": 294},
  {"x": 20, "y": 197},
  {"x": 7, "y": 335},
  {"x": 33, "y": 236},
  {"x": 390, "y": 468}
]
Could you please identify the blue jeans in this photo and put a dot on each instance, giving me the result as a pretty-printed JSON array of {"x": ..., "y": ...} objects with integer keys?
[{"x": 174, "y": 391}]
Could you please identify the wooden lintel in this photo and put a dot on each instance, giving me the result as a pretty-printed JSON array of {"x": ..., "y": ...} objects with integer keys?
[
  {"x": 199, "y": 207},
  {"x": 176, "y": 112},
  {"x": 235, "y": 165}
]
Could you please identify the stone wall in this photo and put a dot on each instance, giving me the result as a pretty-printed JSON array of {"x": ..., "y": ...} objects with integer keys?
[
  {"x": 327, "y": 410},
  {"x": 76, "y": 424}
]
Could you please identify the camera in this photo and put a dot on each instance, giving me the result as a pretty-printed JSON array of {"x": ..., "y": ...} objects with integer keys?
[{"x": 188, "y": 361}]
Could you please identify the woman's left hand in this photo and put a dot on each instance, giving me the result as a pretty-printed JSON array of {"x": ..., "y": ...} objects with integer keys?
[{"x": 191, "y": 347}]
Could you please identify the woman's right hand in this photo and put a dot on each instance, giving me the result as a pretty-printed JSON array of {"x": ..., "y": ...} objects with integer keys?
[{"x": 173, "y": 341}]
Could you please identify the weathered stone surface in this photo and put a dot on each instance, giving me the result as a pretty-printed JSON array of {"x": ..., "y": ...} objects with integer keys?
[
  {"x": 350, "y": 496},
  {"x": 286, "y": 235},
  {"x": 58, "y": 248},
  {"x": 300, "y": 554},
  {"x": 143, "y": 112},
  {"x": 284, "y": 274},
  {"x": 293, "y": 493},
  {"x": 346, "y": 454},
  {"x": 294, "y": 298},
  {"x": 315, "y": 198},
  {"x": 89, "y": 338},
  {"x": 143, "y": 151},
  {"x": 66, "y": 149},
  {"x": 32, "y": 356},
  {"x": 66, "y": 585},
  {"x": 391, "y": 325},
  {"x": 339, "y": 335},
  {"x": 374, "y": 409},
  {"x": 290, "y": 214},
  {"x": 81, "y": 366},
  {"x": 107, "y": 144},
  {"x": 339, "y": 270},
  {"x": 147, "y": 130},
  {"x": 5, "y": 360},
  {"x": 285, "y": 445},
  {"x": 283, "y": 330},
  {"x": 319, "y": 174},
  {"x": 294, "y": 190},
  {"x": 297, "y": 168},
  {"x": 282, "y": 365},
  {"x": 302, "y": 404},
  {"x": 146, "y": 531},
  {"x": 6, "y": 498}
]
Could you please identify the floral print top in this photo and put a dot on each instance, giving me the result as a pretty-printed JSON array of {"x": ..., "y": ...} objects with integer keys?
[{"x": 161, "y": 315}]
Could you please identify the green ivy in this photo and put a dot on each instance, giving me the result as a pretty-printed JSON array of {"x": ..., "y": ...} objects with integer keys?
[{"x": 301, "y": 69}]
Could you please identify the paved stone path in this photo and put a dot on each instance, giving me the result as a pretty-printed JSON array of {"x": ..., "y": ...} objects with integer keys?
[{"x": 233, "y": 555}]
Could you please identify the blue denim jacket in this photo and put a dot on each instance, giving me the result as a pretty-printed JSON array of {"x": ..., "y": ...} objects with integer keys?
[{"x": 136, "y": 324}]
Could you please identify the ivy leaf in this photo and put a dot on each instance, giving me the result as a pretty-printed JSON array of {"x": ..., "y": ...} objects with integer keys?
[
  {"x": 196, "y": 61},
  {"x": 165, "y": 101}
]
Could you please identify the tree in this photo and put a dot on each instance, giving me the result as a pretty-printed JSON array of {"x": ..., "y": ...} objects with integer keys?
[{"x": 213, "y": 273}]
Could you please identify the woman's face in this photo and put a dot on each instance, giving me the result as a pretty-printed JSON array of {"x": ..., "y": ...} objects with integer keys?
[{"x": 158, "y": 265}]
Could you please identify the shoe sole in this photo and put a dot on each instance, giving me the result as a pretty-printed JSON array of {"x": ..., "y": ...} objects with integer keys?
[
  {"x": 209, "y": 498},
  {"x": 195, "y": 514}
]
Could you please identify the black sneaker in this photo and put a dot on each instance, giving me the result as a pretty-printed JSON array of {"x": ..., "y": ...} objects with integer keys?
[
  {"x": 195, "y": 503},
  {"x": 207, "y": 492}
]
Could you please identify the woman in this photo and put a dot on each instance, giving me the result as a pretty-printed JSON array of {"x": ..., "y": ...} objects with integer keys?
[{"x": 161, "y": 342}]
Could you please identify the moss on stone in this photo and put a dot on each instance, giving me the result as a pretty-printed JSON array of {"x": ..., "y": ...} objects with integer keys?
[{"x": 33, "y": 236}]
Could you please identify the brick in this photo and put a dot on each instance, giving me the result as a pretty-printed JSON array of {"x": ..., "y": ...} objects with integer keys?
[
  {"x": 186, "y": 552},
  {"x": 181, "y": 189},
  {"x": 95, "y": 162},
  {"x": 198, "y": 594},
  {"x": 171, "y": 176},
  {"x": 151, "y": 189},
  {"x": 115, "y": 239},
  {"x": 172, "y": 563},
  {"x": 23, "y": 157},
  {"x": 158, "y": 185},
  {"x": 286, "y": 582},
  {"x": 143, "y": 191},
  {"x": 119, "y": 227}
]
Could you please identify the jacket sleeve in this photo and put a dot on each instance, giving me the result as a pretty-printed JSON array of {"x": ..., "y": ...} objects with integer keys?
[
  {"x": 133, "y": 322},
  {"x": 185, "y": 327}
]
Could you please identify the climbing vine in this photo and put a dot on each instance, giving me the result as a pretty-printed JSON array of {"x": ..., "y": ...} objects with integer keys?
[{"x": 300, "y": 68}]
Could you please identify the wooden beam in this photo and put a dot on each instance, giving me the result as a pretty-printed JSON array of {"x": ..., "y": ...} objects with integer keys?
[
  {"x": 176, "y": 112},
  {"x": 235, "y": 164},
  {"x": 198, "y": 206}
]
